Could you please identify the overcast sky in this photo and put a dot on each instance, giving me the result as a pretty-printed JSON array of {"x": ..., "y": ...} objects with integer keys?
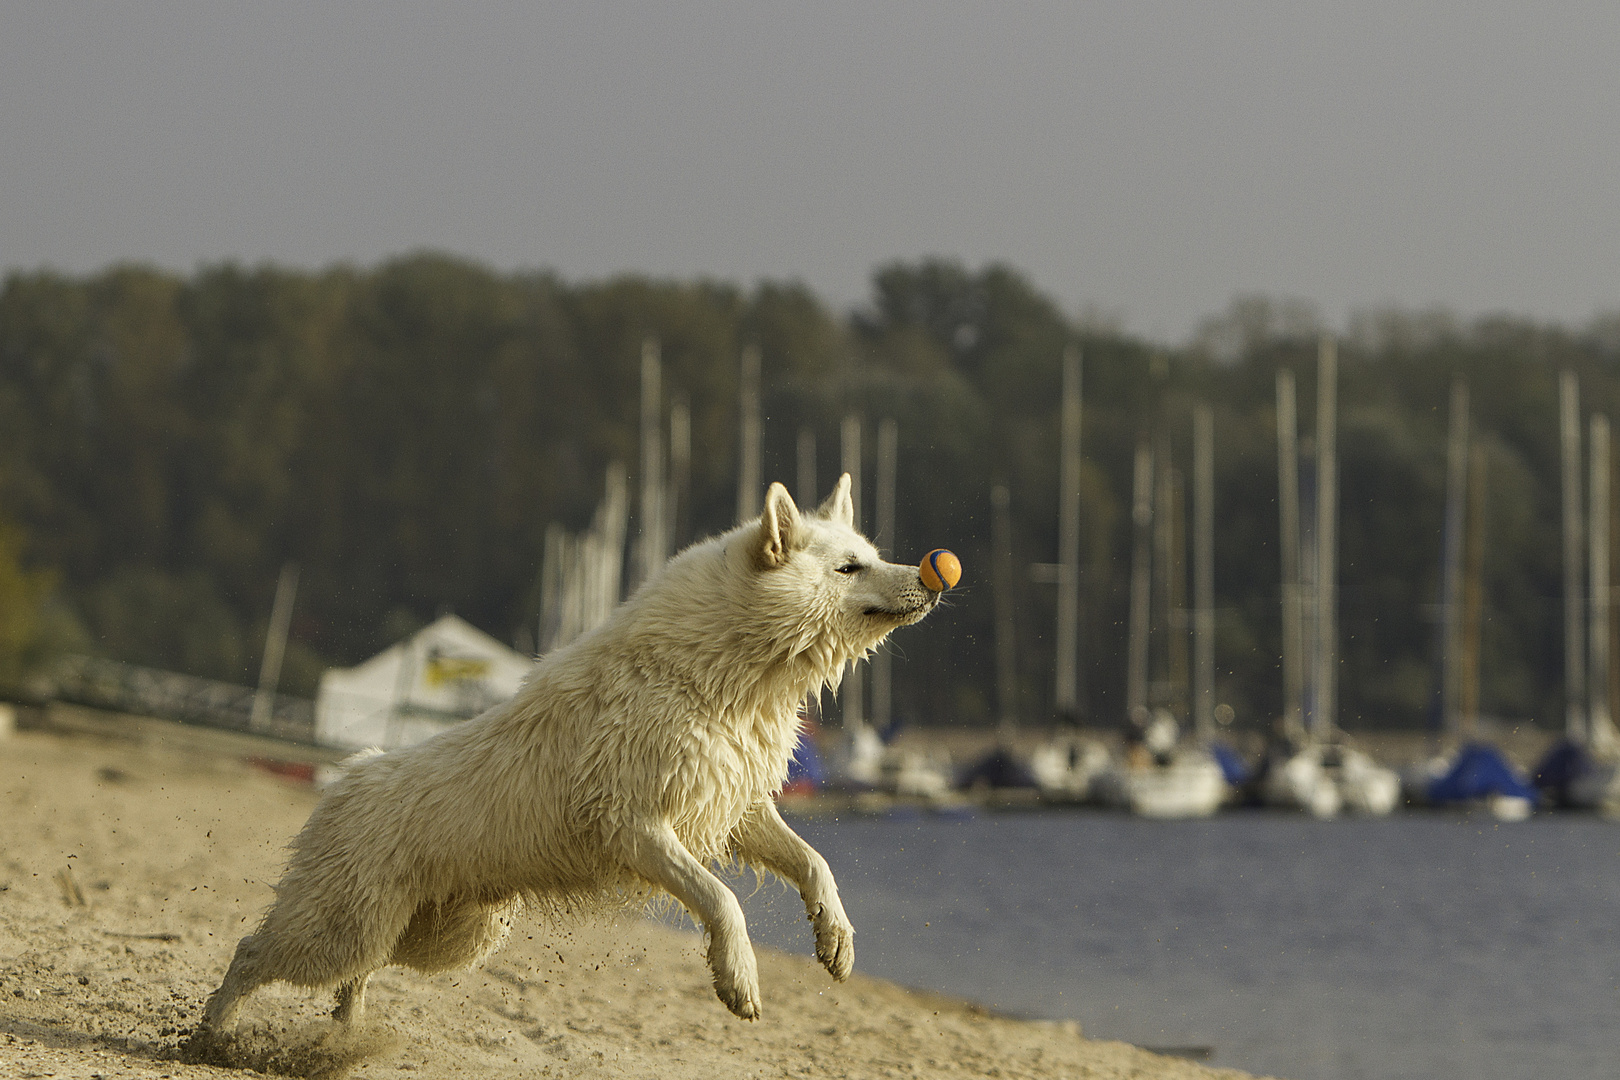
[{"x": 1149, "y": 160}]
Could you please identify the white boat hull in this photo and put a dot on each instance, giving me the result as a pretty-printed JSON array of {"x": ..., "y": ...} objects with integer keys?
[
  {"x": 1068, "y": 768},
  {"x": 1323, "y": 781},
  {"x": 1190, "y": 786},
  {"x": 1598, "y": 788}
]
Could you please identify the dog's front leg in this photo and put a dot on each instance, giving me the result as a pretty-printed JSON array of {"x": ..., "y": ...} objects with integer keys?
[
  {"x": 762, "y": 838},
  {"x": 659, "y": 856}
]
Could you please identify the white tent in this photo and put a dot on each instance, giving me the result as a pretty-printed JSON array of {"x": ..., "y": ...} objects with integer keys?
[{"x": 446, "y": 672}]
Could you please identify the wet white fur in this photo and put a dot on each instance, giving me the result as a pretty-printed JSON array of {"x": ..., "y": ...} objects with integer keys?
[{"x": 632, "y": 757}]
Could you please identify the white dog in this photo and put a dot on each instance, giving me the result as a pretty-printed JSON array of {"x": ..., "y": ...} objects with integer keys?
[{"x": 630, "y": 758}]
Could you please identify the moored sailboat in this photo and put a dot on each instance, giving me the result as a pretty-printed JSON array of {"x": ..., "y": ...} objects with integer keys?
[{"x": 1311, "y": 766}]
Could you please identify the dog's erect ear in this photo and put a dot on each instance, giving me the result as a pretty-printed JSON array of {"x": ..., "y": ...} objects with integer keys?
[
  {"x": 780, "y": 529},
  {"x": 839, "y": 506}
]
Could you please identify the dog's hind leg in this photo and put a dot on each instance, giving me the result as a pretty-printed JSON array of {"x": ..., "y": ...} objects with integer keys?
[
  {"x": 243, "y": 977},
  {"x": 351, "y": 1001},
  {"x": 763, "y": 839},
  {"x": 658, "y": 855}
]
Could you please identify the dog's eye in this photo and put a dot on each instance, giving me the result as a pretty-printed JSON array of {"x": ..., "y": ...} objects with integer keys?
[{"x": 850, "y": 568}]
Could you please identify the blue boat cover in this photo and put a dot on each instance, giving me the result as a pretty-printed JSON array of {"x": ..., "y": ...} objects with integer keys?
[
  {"x": 1479, "y": 772},
  {"x": 1233, "y": 767},
  {"x": 1565, "y": 763},
  {"x": 998, "y": 769},
  {"x": 805, "y": 767}
]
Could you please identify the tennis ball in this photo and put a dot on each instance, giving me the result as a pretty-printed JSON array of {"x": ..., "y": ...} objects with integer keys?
[{"x": 940, "y": 570}]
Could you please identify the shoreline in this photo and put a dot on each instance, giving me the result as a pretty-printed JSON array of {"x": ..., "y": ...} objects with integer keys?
[{"x": 129, "y": 867}]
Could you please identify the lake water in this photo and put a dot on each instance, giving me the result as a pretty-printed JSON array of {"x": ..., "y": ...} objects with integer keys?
[{"x": 1419, "y": 946}]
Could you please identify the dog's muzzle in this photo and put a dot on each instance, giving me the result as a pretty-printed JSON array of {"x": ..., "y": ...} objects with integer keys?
[{"x": 922, "y": 601}]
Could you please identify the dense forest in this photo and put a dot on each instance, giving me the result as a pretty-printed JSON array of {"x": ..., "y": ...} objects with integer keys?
[{"x": 406, "y": 434}]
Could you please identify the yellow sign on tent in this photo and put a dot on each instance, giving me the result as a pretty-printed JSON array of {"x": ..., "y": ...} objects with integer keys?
[{"x": 447, "y": 669}]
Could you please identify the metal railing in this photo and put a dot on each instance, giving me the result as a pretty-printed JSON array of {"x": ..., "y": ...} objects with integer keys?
[{"x": 110, "y": 684}]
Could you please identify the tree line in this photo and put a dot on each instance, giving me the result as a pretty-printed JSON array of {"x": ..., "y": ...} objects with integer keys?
[{"x": 406, "y": 434}]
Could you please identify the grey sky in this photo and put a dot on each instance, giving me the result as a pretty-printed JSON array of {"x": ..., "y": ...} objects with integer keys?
[{"x": 1149, "y": 159}]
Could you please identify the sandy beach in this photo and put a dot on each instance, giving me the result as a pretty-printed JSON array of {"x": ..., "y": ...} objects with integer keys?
[{"x": 130, "y": 866}]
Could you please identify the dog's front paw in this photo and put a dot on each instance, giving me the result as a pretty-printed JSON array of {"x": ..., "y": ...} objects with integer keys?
[
  {"x": 207, "y": 1045},
  {"x": 835, "y": 939},
  {"x": 736, "y": 978},
  {"x": 741, "y": 1000}
]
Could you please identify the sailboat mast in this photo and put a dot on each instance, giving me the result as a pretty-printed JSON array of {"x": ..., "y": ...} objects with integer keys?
[
  {"x": 1473, "y": 600},
  {"x": 1006, "y": 657},
  {"x": 888, "y": 450},
  {"x": 1569, "y": 425},
  {"x": 1597, "y": 518},
  {"x": 1451, "y": 560},
  {"x": 1169, "y": 689},
  {"x": 805, "y": 481},
  {"x": 1178, "y": 627},
  {"x": 1204, "y": 572},
  {"x": 1327, "y": 505},
  {"x": 1141, "y": 584},
  {"x": 652, "y": 550},
  {"x": 1293, "y": 710},
  {"x": 750, "y": 437},
  {"x": 678, "y": 492},
  {"x": 275, "y": 647},
  {"x": 1066, "y": 697}
]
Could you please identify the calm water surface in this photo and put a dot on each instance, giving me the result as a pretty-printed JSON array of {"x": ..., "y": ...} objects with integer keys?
[{"x": 1419, "y": 946}]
